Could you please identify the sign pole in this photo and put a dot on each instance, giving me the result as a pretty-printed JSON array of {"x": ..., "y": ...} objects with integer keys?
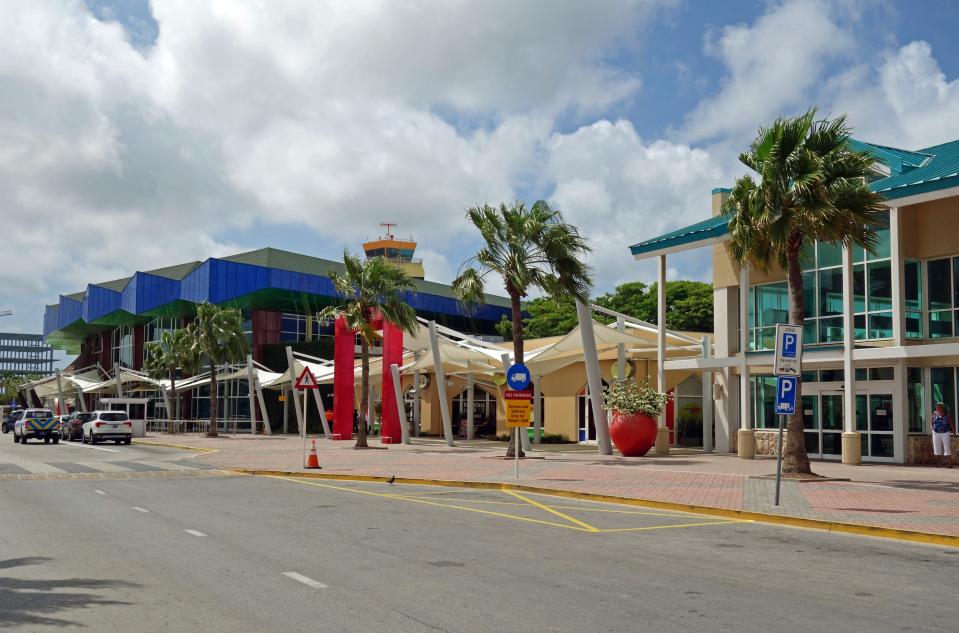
[
  {"x": 516, "y": 455},
  {"x": 779, "y": 458}
]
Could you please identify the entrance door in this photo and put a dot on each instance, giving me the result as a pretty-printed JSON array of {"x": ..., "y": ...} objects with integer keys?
[
  {"x": 822, "y": 408},
  {"x": 584, "y": 413}
]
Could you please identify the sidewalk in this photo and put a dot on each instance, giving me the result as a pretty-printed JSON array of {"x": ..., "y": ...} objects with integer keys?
[{"x": 916, "y": 498}]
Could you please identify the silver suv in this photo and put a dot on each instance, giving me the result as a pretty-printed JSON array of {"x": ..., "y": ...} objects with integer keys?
[{"x": 107, "y": 425}]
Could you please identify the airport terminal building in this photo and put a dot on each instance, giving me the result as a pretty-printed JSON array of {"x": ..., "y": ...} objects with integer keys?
[{"x": 898, "y": 331}]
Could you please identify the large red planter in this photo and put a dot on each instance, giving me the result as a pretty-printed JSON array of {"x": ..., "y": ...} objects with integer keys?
[{"x": 632, "y": 433}]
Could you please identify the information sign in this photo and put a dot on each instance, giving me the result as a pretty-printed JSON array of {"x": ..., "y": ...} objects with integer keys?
[
  {"x": 518, "y": 408},
  {"x": 785, "y": 395},
  {"x": 788, "y": 359}
]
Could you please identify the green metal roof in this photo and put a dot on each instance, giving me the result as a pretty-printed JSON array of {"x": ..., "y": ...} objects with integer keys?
[
  {"x": 913, "y": 172},
  {"x": 941, "y": 171},
  {"x": 176, "y": 272},
  {"x": 701, "y": 231}
]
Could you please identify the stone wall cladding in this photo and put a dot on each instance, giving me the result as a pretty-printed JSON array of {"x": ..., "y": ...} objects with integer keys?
[
  {"x": 766, "y": 441},
  {"x": 919, "y": 449}
]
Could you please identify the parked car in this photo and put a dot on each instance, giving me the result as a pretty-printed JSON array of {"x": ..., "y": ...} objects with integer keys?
[
  {"x": 7, "y": 423},
  {"x": 107, "y": 425},
  {"x": 36, "y": 423},
  {"x": 71, "y": 426}
]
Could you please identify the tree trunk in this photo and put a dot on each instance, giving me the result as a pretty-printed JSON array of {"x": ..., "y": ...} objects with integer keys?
[
  {"x": 214, "y": 400},
  {"x": 795, "y": 459},
  {"x": 364, "y": 393},
  {"x": 170, "y": 414},
  {"x": 517, "y": 358}
]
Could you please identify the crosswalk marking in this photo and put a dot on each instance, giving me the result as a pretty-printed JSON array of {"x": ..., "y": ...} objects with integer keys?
[
  {"x": 104, "y": 467},
  {"x": 39, "y": 468},
  {"x": 62, "y": 468},
  {"x": 165, "y": 465}
]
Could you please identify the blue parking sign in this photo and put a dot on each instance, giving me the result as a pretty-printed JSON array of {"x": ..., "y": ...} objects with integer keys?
[{"x": 785, "y": 395}]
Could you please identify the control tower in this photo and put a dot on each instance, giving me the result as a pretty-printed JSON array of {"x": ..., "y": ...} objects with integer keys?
[{"x": 397, "y": 252}]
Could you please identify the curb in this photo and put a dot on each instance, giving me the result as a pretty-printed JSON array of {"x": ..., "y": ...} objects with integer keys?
[
  {"x": 180, "y": 446},
  {"x": 858, "y": 529}
]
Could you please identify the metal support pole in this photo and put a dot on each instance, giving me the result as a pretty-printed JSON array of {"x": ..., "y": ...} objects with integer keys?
[
  {"x": 779, "y": 458},
  {"x": 470, "y": 401},
  {"x": 400, "y": 406},
  {"x": 621, "y": 351},
  {"x": 62, "y": 406},
  {"x": 286, "y": 413},
  {"x": 707, "y": 399},
  {"x": 301, "y": 427},
  {"x": 81, "y": 401},
  {"x": 593, "y": 378},
  {"x": 537, "y": 410},
  {"x": 263, "y": 412},
  {"x": 416, "y": 403},
  {"x": 516, "y": 454},
  {"x": 441, "y": 384},
  {"x": 119, "y": 381},
  {"x": 662, "y": 434},
  {"x": 251, "y": 389},
  {"x": 851, "y": 447}
]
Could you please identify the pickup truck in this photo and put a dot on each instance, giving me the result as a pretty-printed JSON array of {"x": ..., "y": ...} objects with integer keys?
[{"x": 36, "y": 423}]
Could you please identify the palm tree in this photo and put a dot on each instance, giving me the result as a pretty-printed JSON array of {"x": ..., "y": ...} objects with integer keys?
[
  {"x": 370, "y": 288},
  {"x": 812, "y": 186},
  {"x": 531, "y": 249},
  {"x": 217, "y": 334},
  {"x": 174, "y": 351}
]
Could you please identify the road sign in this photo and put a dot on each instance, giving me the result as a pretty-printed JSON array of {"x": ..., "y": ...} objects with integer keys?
[
  {"x": 306, "y": 380},
  {"x": 518, "y": 408},
  {"x": 785, "y": 395},
  {"x": 517, "y": 377},
  {"x": 788, "y": 359}
]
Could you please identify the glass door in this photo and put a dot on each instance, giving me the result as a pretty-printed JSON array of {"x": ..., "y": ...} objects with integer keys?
[
  {"x": 831, "y": 419},
  {"x": 587, "y": 424}
]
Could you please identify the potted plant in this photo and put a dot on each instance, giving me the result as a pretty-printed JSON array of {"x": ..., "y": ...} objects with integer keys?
[{"x": 634, "y": 409}]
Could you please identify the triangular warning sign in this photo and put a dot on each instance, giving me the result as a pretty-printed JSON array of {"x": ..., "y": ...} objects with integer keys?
[{"x": 306, "y": 380}]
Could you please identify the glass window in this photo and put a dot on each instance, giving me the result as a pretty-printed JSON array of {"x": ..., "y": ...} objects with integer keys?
[
  {"x": 862, "y": 415},
  {"x": 880, "y": 286},
  {"x": 830, "y": 254},
  {"x": 809, "y": 295},
  {"x": 859, "y": 288},
  {"x": 912, "y": 278},
  {"x": 882, "y": 246},
  {"x": 940, "y": 284},
  {"x": 913, "y": 324},
  {"x": 944, "y": 387},
  {"x": 830, "y": 330},
  {"x": 830, "y": 291},
  {"x": 917, "y": 410},
  {"x": 810, "y": 415},
  {"x": 881, "y": 373},
  {"x": 940, "y": 324},
  {"x": 880, "y": 325},
  {"x": 831, "y": 375}
]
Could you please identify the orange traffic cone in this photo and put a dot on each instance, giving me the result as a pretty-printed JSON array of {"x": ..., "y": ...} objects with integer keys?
[{"x": 313, "y": 461}]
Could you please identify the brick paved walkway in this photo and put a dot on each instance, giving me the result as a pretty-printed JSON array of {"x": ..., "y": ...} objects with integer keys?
[{"x": 920, "y": 498}]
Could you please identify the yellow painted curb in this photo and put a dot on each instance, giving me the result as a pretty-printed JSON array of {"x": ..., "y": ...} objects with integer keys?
[
  {"x": 776, "y": 519},
  {"x": 180, "y": 446}
]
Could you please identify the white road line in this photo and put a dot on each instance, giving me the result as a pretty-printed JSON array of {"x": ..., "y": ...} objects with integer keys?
[
  {"x": 104, "y": 467},
  {"x": 139, "y": 509},
  {"x": 39, "y": 468},
  {"x": 90, "y": 446},
  {"x": 309, "y": 582},
  {"x": 195, "y": 532},
  {"x": 99, "y": 492},
  {"x": 164, "y": 465}
]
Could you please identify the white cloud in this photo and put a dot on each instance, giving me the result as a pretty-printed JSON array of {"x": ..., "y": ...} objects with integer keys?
[
  {"x": 772, "y": 66},
  {"x": 621, "y": 190},
  {"x": 906, "y": 101}
]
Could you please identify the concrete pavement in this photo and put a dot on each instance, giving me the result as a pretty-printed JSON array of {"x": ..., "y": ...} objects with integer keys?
[
  {"x": 911, "y": 498},
  {"x": 237, "y": 554}
]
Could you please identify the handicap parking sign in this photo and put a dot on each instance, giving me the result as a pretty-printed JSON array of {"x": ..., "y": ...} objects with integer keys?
[{"x": 785, "y": 395}]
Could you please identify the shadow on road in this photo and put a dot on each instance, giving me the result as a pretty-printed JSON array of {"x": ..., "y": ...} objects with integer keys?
[{"x": 36, "y": 602}]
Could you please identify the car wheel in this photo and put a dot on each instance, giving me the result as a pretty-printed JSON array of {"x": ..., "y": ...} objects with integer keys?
[
  {"x": 128, "y": 440},
  {"x": 46, "y": 440},
  {"x": 56, "y": 440},
  {"x": 93, "y": 438},
  {"x": 23, "y": 438},
  {"x": 16, "y": 440},
  {"x": 83, "y": 438}
]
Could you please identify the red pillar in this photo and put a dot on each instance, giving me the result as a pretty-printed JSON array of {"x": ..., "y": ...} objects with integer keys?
[
  {"x": 390, "y": 430},
  {"x": 266, "y": 331},
  {"x": 343, "y": 353}
]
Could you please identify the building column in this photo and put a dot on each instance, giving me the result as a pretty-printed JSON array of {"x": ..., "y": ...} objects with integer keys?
[
  {"x": 707, "y": 399},
  {"x": 851, "y": 443},
  {"x": 745, "y": 439},
  {"x": 662, "y": 433},
  {"x": 416, "y": 403},
  {"x": 898, "y": 275},
  {"x": 470, "y": 405},
  {"x": 727, "y": 401}
]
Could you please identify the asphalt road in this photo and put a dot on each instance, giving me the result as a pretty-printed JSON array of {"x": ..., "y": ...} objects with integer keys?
[{"x": 237, "y": 554}]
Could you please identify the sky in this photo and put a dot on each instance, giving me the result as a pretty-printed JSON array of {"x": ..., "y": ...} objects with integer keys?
[{"x": 136, "y": 134}]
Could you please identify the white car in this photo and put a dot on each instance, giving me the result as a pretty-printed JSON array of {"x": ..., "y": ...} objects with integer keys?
[{"x": 107, "y": 425}]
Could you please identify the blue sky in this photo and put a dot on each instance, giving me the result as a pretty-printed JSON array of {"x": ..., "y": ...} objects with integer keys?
[{"x": 175, "y": 130}]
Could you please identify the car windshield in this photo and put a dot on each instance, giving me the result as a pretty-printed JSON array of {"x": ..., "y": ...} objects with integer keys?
[
  {"x": 83, "y": 417},
  {"x": 113, "y": 417}
]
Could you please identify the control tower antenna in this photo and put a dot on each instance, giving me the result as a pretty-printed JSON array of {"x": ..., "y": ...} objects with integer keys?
[{"x": 388, "y": 225}]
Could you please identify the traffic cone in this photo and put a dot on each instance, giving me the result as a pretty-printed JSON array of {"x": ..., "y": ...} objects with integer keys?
[{"x": 313, "y": 461}]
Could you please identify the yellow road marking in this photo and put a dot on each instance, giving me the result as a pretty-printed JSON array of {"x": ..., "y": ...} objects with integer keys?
[
  {"x": 583, "y": 508},
  {"x": 664, "y": 527},
  {"x": 539, "y": 505},
  {"x": 432, "y": 503}
]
